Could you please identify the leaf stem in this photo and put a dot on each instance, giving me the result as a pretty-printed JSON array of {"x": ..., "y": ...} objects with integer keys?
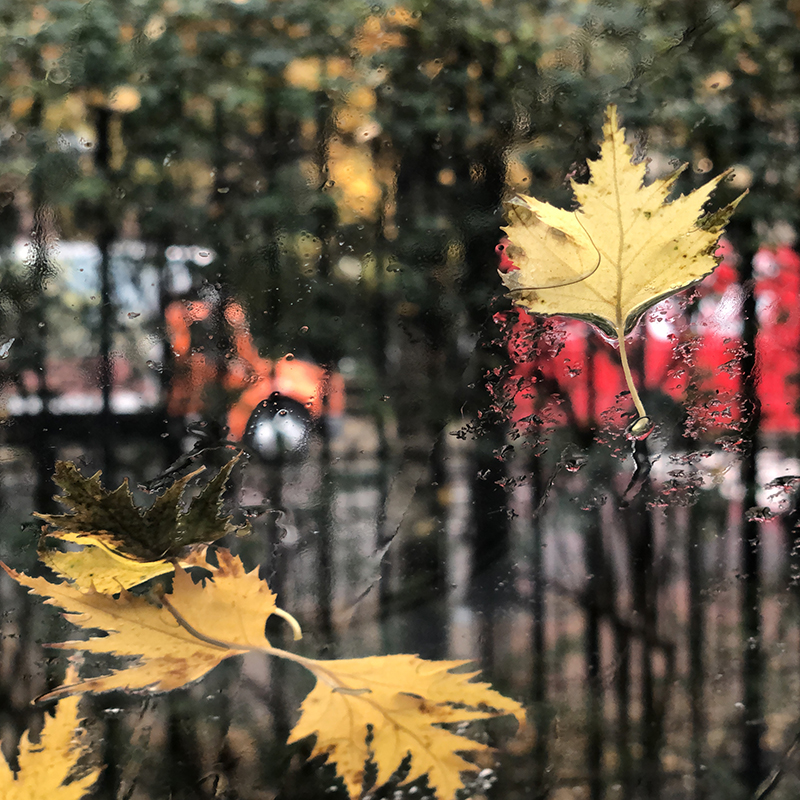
[
  {"x": 623, "y": 355},
  {"x": 297, "y": 632},
  {"x": 325, "y": 675}
]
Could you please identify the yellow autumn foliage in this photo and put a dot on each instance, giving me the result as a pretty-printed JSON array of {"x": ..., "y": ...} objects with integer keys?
[
  {"x": 355, "y": 184},
  {"x": 45, "y": 765},
  {"x": 230, "y": 610},
  {"x": 400, "y": 700},
  {"x": 625, "y": 248},
  {"x": 379, "y": 709}
]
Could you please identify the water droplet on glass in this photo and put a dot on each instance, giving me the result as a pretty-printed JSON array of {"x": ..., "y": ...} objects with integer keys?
[
  {"x": 785, "y": 483},
  {"x": 57, "y": 75},
  {"x": 575, "y": 464},
  {"x": 757, "y": 514},
  {"x": 5, "y": 347},
  {"x": 290, "y": 356}
]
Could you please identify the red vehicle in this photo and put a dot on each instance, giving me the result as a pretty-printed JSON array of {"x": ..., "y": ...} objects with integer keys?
[{"x": 693, "y": 358}]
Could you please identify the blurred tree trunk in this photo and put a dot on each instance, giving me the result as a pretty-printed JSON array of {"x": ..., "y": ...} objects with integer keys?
[
  {"x": 542, "y": 708},
  {"x": 697, "y": 641},
  {"x": 325, "y": 555},
  {"x": 184, "y": 759},
  {"x": 105, "y": 236},
  {"x": 753, "y": 764},
  {"x": 597, "y": 588},
  {"x": 639, "y": 526},
  {"x": 490, "y": 568},
  {"x": 622, "y": 694},
  {"x": 594, "y": 594},
  {"x": 420, "y": 600},
  {"x": 34, "y": 325},
  {"x": 421, "y": 393}
]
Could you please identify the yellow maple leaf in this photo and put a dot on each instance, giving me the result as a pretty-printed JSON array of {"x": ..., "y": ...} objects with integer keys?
[
  {"x": 400, "y": 700},
  {"x": 231, "y": 611},
  {"x": 380, "y": 708},
  {"x": 99, "y": 565},
  {"x": 46, "y": 764},
  {"x": 625, "y": 249}
]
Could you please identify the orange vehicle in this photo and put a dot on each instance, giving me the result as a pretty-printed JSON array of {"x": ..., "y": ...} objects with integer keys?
[{"x": 276, "y": 403}]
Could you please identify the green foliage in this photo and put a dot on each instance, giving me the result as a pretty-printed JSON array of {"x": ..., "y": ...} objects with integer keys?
[{"x": 291, "y": 136}]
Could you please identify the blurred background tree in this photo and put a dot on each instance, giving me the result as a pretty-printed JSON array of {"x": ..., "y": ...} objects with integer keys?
[
  {"x": 346, "y": 164},
  {"x": 339, "y": 168}
]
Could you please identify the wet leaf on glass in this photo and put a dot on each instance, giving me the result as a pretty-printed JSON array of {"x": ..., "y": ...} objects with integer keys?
[
  {"x": 99, "y": 566},
  {"x": 110, "y": 520},
  {"x": 44, "y": 766},
  {"x": 623, "y": 250},
  {"x": 178, "y": 637},
  {"x": 400, "y": 700},
  {"x": 380, "y": 709}
]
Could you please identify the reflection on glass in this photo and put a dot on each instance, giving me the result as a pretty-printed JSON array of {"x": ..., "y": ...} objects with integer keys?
[{"x": 323, "y": 184}]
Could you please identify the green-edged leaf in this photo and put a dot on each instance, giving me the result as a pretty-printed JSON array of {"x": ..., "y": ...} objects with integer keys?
[{"x": 112, "y": 519}]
